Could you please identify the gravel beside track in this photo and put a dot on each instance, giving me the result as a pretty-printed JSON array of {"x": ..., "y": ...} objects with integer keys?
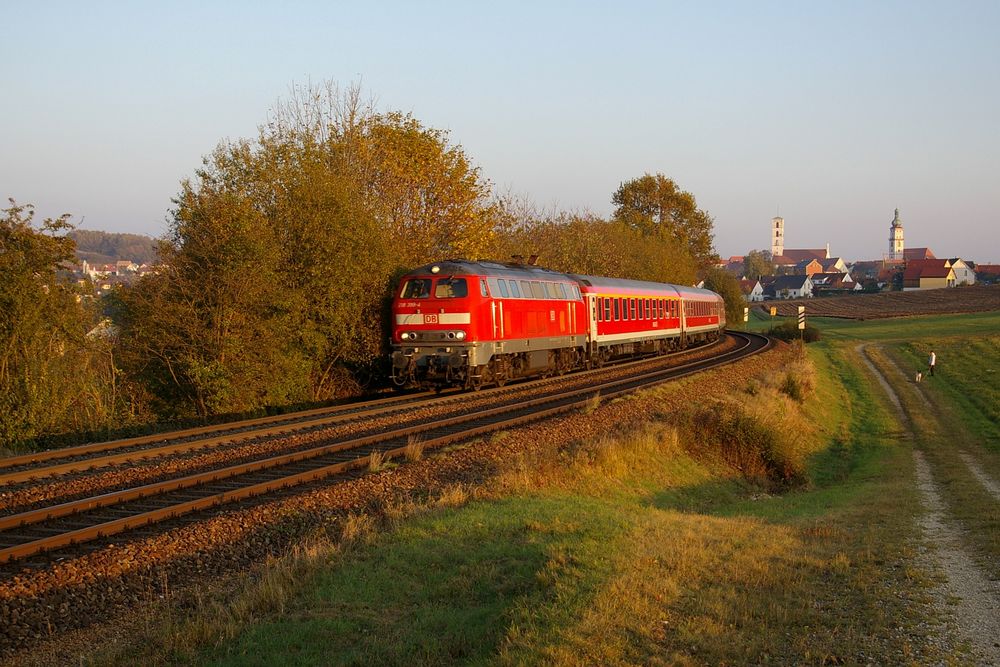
[{"x": 100, "y": 589}]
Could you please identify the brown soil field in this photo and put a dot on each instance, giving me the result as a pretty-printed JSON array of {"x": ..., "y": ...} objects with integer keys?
[{"x": 972, "y": 299}]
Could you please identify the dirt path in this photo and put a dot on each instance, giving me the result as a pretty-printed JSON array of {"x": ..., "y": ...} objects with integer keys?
[{"x": 967, "y": 595}]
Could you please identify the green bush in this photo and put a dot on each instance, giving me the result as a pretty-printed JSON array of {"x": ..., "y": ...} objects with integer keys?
[{"x": 789, "y": 331}]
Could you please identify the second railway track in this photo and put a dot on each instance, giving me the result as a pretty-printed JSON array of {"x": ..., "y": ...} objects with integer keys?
[{"x": 58, "y": 526}]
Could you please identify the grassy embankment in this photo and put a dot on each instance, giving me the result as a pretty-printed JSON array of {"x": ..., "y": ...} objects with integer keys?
[{"x": 740, "y": 544}]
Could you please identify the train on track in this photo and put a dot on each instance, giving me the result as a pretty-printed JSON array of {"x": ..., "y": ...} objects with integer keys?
[{"x": 470, "y": 324}]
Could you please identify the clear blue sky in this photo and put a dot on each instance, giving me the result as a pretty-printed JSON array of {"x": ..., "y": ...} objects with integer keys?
[{"x": 838, "y": 112}]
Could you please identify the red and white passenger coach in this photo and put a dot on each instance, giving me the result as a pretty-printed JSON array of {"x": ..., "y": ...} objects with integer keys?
[{"x": 473, "y": 323}]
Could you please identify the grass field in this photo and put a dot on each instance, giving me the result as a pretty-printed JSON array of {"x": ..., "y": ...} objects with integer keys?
[{"x": 647, "y": 548}]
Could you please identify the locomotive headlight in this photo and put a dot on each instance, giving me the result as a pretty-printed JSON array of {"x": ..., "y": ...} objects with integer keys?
[
  {"x": 408, "y": 335},
  {"x": 459, "y": 335}
]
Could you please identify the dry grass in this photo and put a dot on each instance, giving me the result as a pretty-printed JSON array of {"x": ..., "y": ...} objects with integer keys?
[
  {"x": 375, "y": 461},
  {"x": 414, "y": 449},
  {"x": 592, "y": 405}
]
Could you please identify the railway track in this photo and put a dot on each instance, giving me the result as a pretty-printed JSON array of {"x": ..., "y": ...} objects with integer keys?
[{"x": 60, "y": 525}]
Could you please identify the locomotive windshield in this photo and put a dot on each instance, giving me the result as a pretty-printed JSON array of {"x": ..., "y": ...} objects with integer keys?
[
  {"x": 451, "y": 288},
  {"x": 418, "y": 288}
]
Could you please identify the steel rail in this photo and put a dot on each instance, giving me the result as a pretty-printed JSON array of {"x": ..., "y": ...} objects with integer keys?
[
  {"x": 165, "y": 436},
  {"x": 562, "y": 402}
]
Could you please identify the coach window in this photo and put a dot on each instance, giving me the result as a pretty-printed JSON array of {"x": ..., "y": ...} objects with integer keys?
[
  {"x": 607, "y": 309},
  {"x": 537, "y": 290},
  {"x": 631, "y": 308},
  {"x": 617, "y": 310},
  {"x": 451, "y": 288},
  {"x": 482, "y": 287},
  {"x": 419, "y": 288},
  {"x": 502, "y": 285},
  {"x": 600, "y": 311}
]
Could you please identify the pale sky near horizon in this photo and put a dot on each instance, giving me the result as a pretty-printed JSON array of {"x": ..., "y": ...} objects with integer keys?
[{"x": 836, "y": 112}]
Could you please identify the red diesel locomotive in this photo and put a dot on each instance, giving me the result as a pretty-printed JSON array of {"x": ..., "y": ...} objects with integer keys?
[{"x": 473, "y": 323}]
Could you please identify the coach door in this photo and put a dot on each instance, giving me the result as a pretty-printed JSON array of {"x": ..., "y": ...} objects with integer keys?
[{"x": 592, "y": 320}]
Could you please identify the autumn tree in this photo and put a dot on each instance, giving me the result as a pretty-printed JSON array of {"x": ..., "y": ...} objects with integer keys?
[
  {"x": 590, "y": 245},
  {"x": 757, "y": 263},
  {"x": 655, "y": 205},
  {"x": 54, "y": 377},
  {"x": 728, "y": 287},
  {"x": 282, "y": 251}
]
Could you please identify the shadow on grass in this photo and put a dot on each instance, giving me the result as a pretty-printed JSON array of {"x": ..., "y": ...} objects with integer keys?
[{"x": 449, "y": 588}]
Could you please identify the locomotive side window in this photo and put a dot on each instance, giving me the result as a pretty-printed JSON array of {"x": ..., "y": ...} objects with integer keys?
[
  {"x": 526, "y": 289},
  {"x": 551, "y": 290},
  {"x": 451, "y": 288},
  {"x": 502, "y": 285},
  {"x": 514, "y": 291},
  {"x": 418, "y": 288},
  {"x": 576, "y": 292},
  {"x": 482, "y": 287},
  {"x": 537, "y": 290},
  {"x": 562, "y": 291}
]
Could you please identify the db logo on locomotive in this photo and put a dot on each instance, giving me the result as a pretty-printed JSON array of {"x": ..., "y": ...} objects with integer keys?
[{"x": 430, "y": 319}]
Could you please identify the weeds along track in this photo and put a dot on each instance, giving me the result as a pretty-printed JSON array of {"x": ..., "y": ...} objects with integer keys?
[{"x": 80, "y": 506}]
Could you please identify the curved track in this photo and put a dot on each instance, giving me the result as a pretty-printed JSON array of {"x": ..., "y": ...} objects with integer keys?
[{"x": 57, "y": 526}]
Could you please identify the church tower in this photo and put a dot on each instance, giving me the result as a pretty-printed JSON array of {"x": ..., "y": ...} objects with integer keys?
[
  {"x": 896, "y": 238},
  {"x": 778, "y": 236}
]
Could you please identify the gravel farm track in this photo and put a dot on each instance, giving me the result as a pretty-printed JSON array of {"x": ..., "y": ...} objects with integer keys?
[
  {"x": 52, "y": 601},
  {"x": 971, "y": 299}
]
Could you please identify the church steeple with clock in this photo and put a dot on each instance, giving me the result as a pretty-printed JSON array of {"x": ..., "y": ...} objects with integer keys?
[{"x": 896, "y": 238}]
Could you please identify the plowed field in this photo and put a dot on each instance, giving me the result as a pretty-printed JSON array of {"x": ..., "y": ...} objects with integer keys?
[{"x": 974, "y": 299}]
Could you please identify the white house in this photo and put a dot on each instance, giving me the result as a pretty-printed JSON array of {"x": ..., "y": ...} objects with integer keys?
[
  {"x": 752, "y": 290},
  {"x": 964, "y": 274},
  {"x": 792, "y": 287}
]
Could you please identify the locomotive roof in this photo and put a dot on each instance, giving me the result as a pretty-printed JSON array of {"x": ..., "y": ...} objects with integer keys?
[{"x": 492, "y": 269}]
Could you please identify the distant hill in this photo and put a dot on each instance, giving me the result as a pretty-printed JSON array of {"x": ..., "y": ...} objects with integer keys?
[{"x": 105, "y": 247}]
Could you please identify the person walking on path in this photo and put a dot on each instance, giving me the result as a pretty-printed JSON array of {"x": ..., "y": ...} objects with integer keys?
[{"x": 931, "y": 361}]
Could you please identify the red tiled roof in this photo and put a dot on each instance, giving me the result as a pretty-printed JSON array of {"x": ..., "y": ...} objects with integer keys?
[
  {"x": 931, "y": 268},
  {"x": 918, "y": 253},
  {"x": 990, "y": 269},
  {"x": 796, "y": 255}
]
